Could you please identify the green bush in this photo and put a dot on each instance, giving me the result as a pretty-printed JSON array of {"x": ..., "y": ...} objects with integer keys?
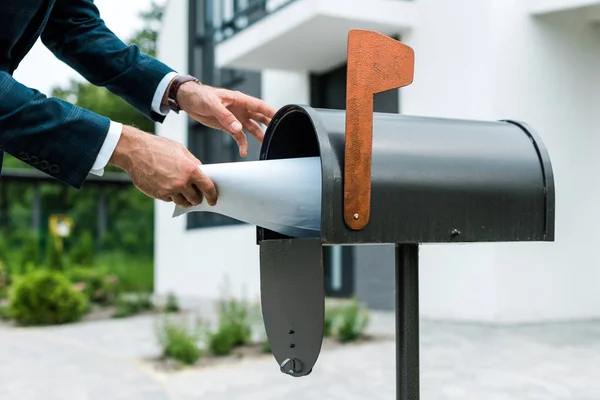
[
  {"x": 172, "y": 305},
  {"x": 352, "y": 320},
  {"x": 128, "y": 306},
  {"x": 4, "y": 279},
  {"x": 265, "y": 345},
  {"x": 331, "y": 314},
  {"x": 82, "y": 252},
  {"x": 4, "y": 313},
  {"x": 178, "y": 343},
  {"x": 223, "y": 340},
  {"x": 234, "y": 318},
  {"x": 44, "y": 297},
  {"x": 96, "y": 283}
]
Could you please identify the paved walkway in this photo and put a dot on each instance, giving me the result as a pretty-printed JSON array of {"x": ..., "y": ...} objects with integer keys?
[{"x": 104, "y": 360}]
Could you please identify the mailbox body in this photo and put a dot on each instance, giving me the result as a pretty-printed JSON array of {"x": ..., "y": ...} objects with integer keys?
[{"x": 434, "y": 180}]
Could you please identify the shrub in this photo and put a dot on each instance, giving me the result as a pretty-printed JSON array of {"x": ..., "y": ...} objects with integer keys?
[
  {"x": 178, "y": 343},
  {"x": 331, "y": 314},
  {"x": 172, "y": 305},
  {"x": 4, "y": 279},
  {"x": 351, "y": 322},
  {"x": 4, "y": 312},
  {"x": 265, "y": 345},
  {"x": 82, "y": 252},
  {"x": 234, "y": 319},
  {"x": 44, "y": 297},
  {"x": 132, "y": 305},
  {"x": 223, "y": 340},
  {"x": 96, "y": 283}
]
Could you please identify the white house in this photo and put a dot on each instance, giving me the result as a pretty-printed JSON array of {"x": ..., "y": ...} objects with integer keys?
[{"x": 532, "y": 60}]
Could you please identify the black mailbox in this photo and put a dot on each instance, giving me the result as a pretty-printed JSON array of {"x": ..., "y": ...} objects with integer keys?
[{"x": 420, "y": 180}]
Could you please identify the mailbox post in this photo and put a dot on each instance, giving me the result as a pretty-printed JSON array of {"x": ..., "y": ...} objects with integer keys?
[{"x": 389, "y": 178}]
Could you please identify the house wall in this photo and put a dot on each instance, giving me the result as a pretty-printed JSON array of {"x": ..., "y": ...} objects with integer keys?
[
  {"x": 475, "y": 59},
  {"x": 543, "y": 70}
]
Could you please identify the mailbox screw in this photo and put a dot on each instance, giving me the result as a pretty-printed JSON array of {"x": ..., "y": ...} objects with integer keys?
[
  {"x": 455, "y": 232},
  {"x": 356, "y": 216},
  {"x": 291, "y": 366}
]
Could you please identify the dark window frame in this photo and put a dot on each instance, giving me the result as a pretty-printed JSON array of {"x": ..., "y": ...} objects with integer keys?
[{"x": 207, "y": 144}]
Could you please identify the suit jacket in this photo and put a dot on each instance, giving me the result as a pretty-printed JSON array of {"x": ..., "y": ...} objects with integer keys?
[{"x": 52, "y": 135}]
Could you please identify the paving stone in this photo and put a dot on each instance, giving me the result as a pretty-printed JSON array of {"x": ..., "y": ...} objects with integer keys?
[{"x": 104, "y": 360}]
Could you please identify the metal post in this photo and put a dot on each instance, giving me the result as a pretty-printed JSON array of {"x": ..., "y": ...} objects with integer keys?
[{"x": 407, "y": 321}]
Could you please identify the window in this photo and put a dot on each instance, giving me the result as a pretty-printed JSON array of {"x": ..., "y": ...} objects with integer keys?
[{"x": 213, "y": 146}]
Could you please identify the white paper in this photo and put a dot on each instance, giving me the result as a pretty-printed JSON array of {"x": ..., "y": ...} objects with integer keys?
[{"x": 281, "y": 195}]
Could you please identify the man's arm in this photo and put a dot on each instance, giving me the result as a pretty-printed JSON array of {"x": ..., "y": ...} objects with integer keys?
[
  {"x": 64, "y": 141},
  {"x": 77, "y": 35},
  {"x": 52, "y": 135}
]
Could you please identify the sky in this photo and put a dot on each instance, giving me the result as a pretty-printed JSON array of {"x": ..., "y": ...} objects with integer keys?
[{"x": 42, "y": 71}]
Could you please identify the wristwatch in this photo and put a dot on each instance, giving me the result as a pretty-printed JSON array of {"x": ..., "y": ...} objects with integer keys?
[{"x": 174, "y": 88}]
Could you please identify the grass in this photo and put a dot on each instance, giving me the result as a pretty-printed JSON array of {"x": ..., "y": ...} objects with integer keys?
[
  {"x": 136, "y": 274},
  {"x": 179, "y": 342}
]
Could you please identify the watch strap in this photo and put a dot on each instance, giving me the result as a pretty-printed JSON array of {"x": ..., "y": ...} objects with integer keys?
[{"x": 174, "y": 89}]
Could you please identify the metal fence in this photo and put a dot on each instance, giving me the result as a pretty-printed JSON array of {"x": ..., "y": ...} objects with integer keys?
[{"x": 233, "y": 16}]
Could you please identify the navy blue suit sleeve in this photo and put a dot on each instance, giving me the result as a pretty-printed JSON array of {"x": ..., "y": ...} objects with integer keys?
[
  {"x": 77, "y": 35},
  {"x": 54, "y": 136}
]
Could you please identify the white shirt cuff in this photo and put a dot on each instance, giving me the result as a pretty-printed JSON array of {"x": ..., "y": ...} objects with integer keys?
[
  {"x": 108, "y": 148},
  {"x": 157, "y": 107}
]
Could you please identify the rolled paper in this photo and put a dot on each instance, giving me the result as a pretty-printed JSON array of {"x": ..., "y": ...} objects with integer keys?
[{"x": 280, "y": 195}]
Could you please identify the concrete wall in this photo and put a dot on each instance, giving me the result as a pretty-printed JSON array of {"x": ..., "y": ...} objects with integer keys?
[{"x": 551, "y": 6}]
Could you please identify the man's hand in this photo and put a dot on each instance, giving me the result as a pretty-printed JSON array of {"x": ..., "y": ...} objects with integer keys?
[
  {"x": 162, "y": 168},
  {"x": 227, "y": 110}
]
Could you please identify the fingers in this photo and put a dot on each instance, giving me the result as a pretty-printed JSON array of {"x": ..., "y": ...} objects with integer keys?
[
  {"x": 250, "y": 103},
  {"x": 203, "y": 183},
  {"x": 261, "y": 118},
  {"x": 255, "y": 130},
  {"x": 233, "y": 126},
  {"x": 226, "y": 118},
  {"x": 180, "y": 200},
  {"x": 192, "y": 194}
]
